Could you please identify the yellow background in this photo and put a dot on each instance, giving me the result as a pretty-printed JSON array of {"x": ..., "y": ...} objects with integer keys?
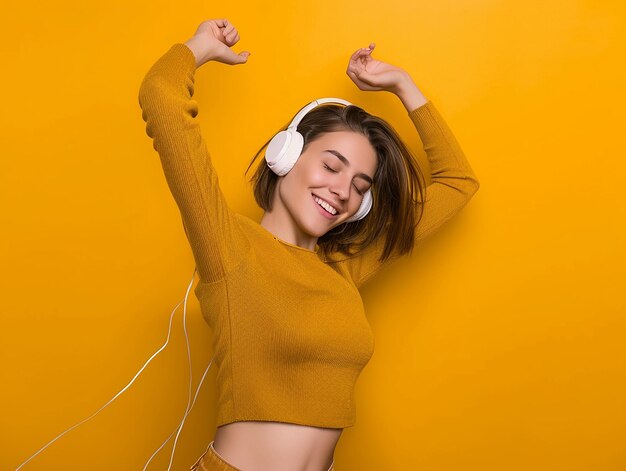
[{"x": 499, "y": 345}]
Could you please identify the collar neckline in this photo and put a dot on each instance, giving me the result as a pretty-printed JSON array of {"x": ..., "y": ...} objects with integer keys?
[
  {"x": 316, "y": 251},
  {"x": 289, "y": 244}
]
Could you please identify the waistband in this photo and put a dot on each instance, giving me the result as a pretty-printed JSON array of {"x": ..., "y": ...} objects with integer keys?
[{"x": 211, "y": 459}]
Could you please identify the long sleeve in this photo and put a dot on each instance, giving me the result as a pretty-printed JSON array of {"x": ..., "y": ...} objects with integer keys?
[
  {"x": 213, "y": 231},
  {"x": 453, "y": 183}
]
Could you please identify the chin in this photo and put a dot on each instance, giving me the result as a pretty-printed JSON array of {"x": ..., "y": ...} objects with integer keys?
[
  {"x": 317, "y": 230},
  {"x": 314, "y": 228},
  {"x": 328, "y": 229}
]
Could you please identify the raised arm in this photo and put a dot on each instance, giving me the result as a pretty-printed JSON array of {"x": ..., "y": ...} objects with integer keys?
[
  {"x": 453, "y": 182},
  {"x": 165, "y": 97}
]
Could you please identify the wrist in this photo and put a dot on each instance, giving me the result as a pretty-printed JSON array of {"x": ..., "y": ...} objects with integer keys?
[
  {"x": 410, "y": 95},
  {"x": 199, "y": 52}
]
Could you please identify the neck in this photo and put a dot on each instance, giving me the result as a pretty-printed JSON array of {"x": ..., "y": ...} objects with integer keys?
[{"x": 279, "y": 222}]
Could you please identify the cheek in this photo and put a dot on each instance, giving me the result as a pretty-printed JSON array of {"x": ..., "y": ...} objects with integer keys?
[
  {"x": 316, "y": 182},
  {"x": 307, "y": 177},
  {"x": 294, "y": 184}
]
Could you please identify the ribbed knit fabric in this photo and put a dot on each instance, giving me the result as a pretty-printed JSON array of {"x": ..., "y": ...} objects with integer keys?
[{"x": 290, "y": 335}]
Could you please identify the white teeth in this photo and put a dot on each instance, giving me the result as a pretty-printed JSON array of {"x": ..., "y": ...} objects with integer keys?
[{"x": 325, "y": 205}]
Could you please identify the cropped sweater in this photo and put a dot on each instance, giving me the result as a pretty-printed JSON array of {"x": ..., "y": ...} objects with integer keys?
[{"x": 290, "y": 336}]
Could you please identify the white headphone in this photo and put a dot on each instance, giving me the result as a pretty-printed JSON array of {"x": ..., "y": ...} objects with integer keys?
[{"x": 285, "y": 148}]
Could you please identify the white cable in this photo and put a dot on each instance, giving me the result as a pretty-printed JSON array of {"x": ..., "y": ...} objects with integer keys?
[
  {"x": 180, "y": 428},
  {"x": 188, "y": 409},
  {"x": 133, "y": 380},
  {"x": 192, "y": 404}
]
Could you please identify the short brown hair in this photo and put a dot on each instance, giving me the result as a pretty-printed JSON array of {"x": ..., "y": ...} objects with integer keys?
[{"x": 398, "y": 182}]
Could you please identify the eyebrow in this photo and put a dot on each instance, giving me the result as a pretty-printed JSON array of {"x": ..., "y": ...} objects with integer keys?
[{"x": 346, "y": 162}]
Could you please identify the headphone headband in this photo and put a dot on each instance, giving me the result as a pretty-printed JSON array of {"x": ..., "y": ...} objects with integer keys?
[{"x": 296, "y": 120}]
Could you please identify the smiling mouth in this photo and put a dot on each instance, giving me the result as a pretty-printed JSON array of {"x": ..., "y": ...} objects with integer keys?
[{"x": 326, "y": 211}]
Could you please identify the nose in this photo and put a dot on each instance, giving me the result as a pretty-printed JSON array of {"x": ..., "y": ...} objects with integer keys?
[{"x": 342, "y": 191}]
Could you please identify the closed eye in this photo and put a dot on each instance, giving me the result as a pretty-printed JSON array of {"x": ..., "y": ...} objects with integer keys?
[{"x": 335, "y": 171}]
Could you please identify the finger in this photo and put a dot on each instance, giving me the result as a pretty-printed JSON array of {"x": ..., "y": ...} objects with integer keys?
[
  {"x": 242, "y": 57},
  {"x": 352, "y": 74},
  {"x": 231, "y": 37},
  {"x": 221, "y": 22},
  {"x": 365, "y": 77},
  {"x": 226, "y": 33},
  {"x": 356, "y": 54},
  {"x": 359, "y": 83},
  {"x": 360, "y": 53}
]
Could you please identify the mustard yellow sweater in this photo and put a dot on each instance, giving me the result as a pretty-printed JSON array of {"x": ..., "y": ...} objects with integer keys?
[{"x": 290, "y": 335}]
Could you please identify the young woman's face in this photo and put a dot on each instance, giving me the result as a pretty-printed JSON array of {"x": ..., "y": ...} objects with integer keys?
[{"x": 336, "y": 167}]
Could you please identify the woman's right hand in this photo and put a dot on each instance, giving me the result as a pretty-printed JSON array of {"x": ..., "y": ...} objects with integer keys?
[{"x": 213, "y": 40}]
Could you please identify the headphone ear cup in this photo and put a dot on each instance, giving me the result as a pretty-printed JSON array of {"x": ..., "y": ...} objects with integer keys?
[
  {"x": 364, "y": 208},
  {"x": 285, "y": 147},
  {"x": 294, "y": 150},
  {"x": 283, "y": 151}
]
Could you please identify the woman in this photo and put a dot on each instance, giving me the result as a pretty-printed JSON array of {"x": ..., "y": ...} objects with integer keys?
[{"x": 281, "y": 296}]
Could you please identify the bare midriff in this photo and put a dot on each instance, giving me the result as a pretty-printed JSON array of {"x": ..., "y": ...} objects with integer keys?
[{"x": 279, "y": 446}]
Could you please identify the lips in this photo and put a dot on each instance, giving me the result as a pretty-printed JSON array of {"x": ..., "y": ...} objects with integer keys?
[
  {"x": 329, "y": 202},
  {"x": 322, "y": 210}
]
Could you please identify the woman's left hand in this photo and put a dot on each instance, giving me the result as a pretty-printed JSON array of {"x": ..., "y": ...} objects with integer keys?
[{"x": 371, "y": 74}]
